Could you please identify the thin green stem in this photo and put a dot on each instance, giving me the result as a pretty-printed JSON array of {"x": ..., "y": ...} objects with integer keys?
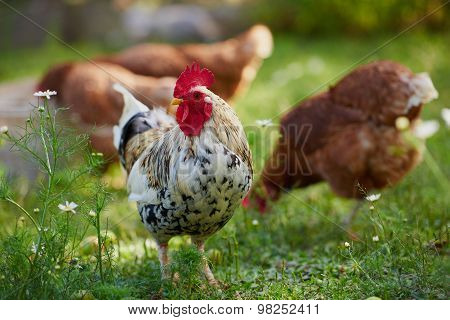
[
  {"x": 44, "y": 144},
  {"x": 38, "y": 228},
  {"x": 50, "y": 174},
  {"x": 99, "y": 245},
  {"x": 100, "y": 203},
  {"x": 360, "y": 268}
]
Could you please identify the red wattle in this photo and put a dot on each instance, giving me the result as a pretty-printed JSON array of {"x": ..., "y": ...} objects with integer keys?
[{"x": 191, "y": 116}]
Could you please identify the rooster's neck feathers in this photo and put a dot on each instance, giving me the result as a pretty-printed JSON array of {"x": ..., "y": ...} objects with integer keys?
[{"x": 156, "y": 152}]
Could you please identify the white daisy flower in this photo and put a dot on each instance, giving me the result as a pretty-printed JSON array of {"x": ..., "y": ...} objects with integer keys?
[
  {"x": 255, "y": 222},
  {"x": 264, "y": 122},
  {"x": 92, "y": 213},
  {"x": 46, "y": 94},
  {"x": 373, "y": 197},
  {"x": 426, "y": 129},
  {"x": 445, "y": 113},
  {"x": 375, "y": 238},
  {"x": 3, "y": 130},
  {"x": 68, "y": 207},
  {"x": 346, "y": 244}
]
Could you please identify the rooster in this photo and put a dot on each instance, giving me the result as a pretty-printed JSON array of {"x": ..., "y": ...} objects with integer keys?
[
  {"x": 188, "y": 173},
  {"x": 234, "y": 61},
  {"x": 347, "y": 135},
  {"x": 86, "y": 88}
]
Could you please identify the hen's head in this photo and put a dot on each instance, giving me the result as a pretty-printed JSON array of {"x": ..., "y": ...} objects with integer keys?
[{"x": 194, "y": 100}]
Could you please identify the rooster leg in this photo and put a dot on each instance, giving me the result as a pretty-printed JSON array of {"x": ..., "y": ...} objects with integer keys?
[
  {"x": 347, "y": 222},
  {"x": 163, "y": 260},
  {"x": 207, "y": 271}
]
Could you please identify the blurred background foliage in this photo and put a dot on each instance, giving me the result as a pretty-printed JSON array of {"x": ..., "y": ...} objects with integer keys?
[
  {"x": 352, "y": 17},
  {"x": 102, "y": 26},
  {"x": 112, "y": 21}
]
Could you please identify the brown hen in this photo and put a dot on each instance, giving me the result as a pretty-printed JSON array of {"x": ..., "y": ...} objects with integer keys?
[
  {"x": 234, "y": 61},
  {"x": 347, "y": 135}
]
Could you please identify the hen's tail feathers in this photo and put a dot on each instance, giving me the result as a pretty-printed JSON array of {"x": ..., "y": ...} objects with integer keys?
[
  {"x": 54, "y": 78},
  {"x": 256, "y": 44},
  {"x": 258, "y": 41},
  {"x": 423, "y": 90},
  {"x": 131, "y": 107}
]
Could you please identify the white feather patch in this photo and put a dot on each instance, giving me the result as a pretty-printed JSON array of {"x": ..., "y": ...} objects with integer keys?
[
  {"x": 138, "y": 186},
  {"x": 131, "y": 105},
  {"x": 423, "y": 90}
]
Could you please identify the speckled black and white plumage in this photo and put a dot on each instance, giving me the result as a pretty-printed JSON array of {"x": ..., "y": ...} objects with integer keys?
[
  {"x": 186, "y": 185},
  {"x": 208, "y": 204}
]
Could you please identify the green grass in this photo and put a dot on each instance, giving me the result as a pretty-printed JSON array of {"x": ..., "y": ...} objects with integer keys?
[
  {"x": 297, "y": 250},
  {"x": 24, "y": 62}
]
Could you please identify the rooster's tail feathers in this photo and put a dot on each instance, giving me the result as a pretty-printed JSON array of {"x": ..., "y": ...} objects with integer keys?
[
  {"x": 131, "y": 106},
  {"x": 154, "y": 117}
]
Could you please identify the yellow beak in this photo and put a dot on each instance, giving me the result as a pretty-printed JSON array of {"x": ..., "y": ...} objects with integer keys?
[{"x": 176, "y": 102}]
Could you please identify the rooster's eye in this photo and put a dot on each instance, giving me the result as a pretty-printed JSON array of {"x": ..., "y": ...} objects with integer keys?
[{"x": 197, "y": 95}]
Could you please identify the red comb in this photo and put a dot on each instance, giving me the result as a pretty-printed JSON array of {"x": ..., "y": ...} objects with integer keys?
[{"x": 192, "y": 77}]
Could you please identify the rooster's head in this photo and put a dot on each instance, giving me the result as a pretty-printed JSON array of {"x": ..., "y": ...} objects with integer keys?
[{"x": 195, "y": 102}]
